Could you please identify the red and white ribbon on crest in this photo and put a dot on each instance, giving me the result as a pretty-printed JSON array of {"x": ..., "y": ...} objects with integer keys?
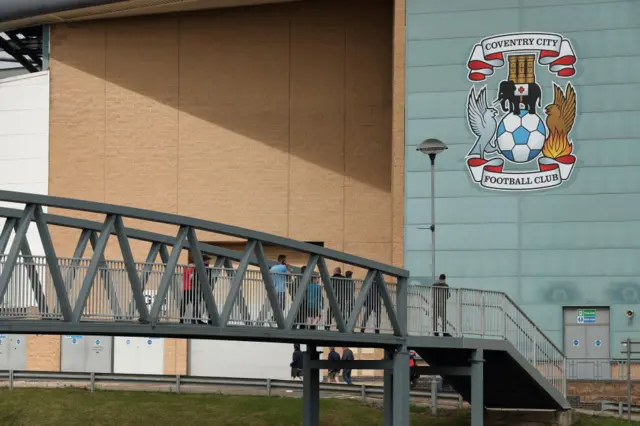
[
  {"x": 490, "y": 174},
  {"x": 553, "y": 50}
]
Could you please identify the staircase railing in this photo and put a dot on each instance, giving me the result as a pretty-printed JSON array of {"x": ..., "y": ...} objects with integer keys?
[{"x": 484, "y": 314}]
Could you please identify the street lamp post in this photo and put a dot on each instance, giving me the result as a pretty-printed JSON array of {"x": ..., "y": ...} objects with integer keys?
[{"x": 432, "y": 147}]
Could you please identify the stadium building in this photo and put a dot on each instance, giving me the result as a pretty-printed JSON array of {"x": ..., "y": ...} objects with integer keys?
[{"x": 303, "y": 119}]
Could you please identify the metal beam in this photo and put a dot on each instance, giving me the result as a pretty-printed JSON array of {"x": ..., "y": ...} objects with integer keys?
[
  {"x": 8, "y": 47},
  {"x": 401, "y": 407},
  {"x": 146, "y": 272},
  {"x": 353, "y": 365},
  {"x": 14, "y": 251},
  {"x": 443, "y": 371},
  {"x": 241, "y": 302},
  {"x": 132, "y": 273},
  {"x": 78, "y": 253},
  {"x": 94, "y": 264},
  {"x": 7, "y": 229},
  {"x": 195, "y": 331},
  {"x": 331, "y": 295},
  {"x": 33, "y": 275},
  {"x": 167, "y": 276},
  {"x": 388, "y": 304},
  {"x": 34, "y": 58},
  {"x": 267, "y": 279},
  {"x": 54, "y": 267},
  {"x": 310, "y": 388},
  {"x": 219, "y": 228},
  {"x": 109, "y": 288},
  {"x": 477, "y": 387},
  {"x": 203, "y": 277},
  {"x": 301, "y": 292},
  {"x": 236, "y": 283},
  {"x": 362, "y": 296}
]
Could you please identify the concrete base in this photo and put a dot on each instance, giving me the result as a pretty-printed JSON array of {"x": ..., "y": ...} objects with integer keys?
[{"x": 530, "y": 418}]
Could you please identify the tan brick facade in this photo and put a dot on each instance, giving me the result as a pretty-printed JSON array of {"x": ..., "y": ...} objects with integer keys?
[
  {"x": 594, "y": 391},
  {"x": 284, "y": 118},
  {"x": 43, "y": 352}
]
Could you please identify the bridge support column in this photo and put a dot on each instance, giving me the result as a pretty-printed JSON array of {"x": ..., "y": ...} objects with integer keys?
[
  {"x": 310, "y": 388},
  {"x": 388, "y": 392},
  {"x": 401, "y": 403},
  {"x": 477, "y": 388}
]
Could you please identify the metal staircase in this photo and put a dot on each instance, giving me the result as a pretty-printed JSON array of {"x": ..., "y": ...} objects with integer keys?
[{"x": 524, "y": 368}]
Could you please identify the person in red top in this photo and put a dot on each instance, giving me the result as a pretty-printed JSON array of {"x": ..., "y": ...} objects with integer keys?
[{"x": 191, "y": 290}]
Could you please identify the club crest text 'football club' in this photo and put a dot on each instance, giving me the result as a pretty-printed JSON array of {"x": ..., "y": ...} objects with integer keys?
[{"x": 515, "y": 148}]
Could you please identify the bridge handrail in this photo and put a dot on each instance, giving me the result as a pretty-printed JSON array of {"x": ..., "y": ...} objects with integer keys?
[
  {"x": 469, "y": 313},
  {"x": 200, "y": 224}
]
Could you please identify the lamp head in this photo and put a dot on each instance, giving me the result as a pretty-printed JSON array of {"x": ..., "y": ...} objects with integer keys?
[
  {"x": 630, "y": 313},
  {"x": 432, "y": 147}
]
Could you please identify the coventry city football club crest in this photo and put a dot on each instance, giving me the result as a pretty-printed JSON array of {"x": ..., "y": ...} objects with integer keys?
[{"x": 516, "y": 148}]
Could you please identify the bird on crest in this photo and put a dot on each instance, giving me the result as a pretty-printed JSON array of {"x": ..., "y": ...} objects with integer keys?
[
  {"x": 483, "y": 123},
  {"x": 561, "y": 116}
]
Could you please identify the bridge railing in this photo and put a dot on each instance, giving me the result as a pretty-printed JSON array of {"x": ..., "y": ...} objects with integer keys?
[
  {"x": 484, "y": 314},
  {"x": 95, "y": 288},
  {"x": 32, "y": 295}
]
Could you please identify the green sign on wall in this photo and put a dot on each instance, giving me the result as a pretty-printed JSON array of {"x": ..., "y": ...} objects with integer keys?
[{"x": 586, "y": 316}]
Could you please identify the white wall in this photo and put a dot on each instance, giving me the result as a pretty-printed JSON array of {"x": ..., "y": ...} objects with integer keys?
[
  {"x": 219, "y": 358},
  {"x": 138, "y": 355},
  {"x": 24, "y": 151},
  {"x": 24, "y": 139}
]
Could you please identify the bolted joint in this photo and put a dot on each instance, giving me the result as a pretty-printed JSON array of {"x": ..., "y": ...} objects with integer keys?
[{"x": 432, "y": 228}]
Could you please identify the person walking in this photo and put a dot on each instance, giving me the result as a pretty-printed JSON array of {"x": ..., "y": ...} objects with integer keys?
[
  {"x": 333, "y": 372},
  {"x": 372, "y": 304},
  {"x": 315, "y": 303},
  {"x": 296, "y": 362},
  {"x": 440, "y": 293},
  {"x": 347, "y": 355},
  {"x": 191, "y": 291},
  {"x": 279, "y": 273}
]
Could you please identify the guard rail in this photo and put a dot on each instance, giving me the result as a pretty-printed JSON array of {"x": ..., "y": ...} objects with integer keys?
[{"x": 176, "y": 382}]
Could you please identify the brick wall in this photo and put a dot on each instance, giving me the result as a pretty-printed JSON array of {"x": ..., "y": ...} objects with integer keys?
[
  {"x": 280, "y": 118},
  {"x": 593, "y": 391}
]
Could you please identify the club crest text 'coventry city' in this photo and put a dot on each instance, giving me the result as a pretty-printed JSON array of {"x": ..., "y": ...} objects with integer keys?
[{"x": 515, "y": 148}]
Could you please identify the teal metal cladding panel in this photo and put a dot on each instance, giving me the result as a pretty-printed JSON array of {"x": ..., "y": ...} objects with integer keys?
[{"x": 575, "y": 245}]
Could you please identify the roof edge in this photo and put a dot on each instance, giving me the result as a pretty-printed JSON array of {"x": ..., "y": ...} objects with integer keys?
[{"x": 12, "y": 10}]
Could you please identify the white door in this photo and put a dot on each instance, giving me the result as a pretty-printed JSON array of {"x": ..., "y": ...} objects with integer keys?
[
  {"x": 219, "y": 358},
  {"x": 138, "y": 355}
]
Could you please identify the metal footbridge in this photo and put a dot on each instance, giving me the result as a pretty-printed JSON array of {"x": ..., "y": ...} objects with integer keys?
[{"x": 123, "y": 280}]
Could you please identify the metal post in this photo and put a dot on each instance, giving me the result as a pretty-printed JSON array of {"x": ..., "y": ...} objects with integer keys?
[
  {"x": 629, "y": 379},
  {"x": 388, "y": 392},
  {"x": 402, "y": 300},
  {"x": 310, "y": 388},
  {"x": 434, "y": 396},
  {"x": 363, "y": 392},
  {"x": 564, "y": 377},
  {"x": 177, "y": 383},
  {"x": 401, "y": 386},
  {"x": 477, "y": 388},
  {"x": 92, "y": 384},
  {"x": 432, "y": 157},
  {"x": 268, "y": 387},
  {"x": 10, "y": 379}
]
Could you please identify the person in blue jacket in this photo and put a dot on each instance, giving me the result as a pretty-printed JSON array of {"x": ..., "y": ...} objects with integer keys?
[{"x": 315, "y": 302}]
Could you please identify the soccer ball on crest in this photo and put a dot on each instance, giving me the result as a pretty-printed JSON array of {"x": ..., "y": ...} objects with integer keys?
[{"x": 520, "y": 137}]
